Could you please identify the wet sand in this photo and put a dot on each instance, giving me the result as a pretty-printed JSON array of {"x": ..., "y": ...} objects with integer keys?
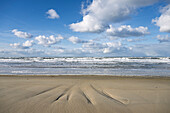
[{"x": 84, "y": 94}]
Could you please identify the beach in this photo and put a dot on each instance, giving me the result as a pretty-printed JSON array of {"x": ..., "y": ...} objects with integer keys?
[
  {"x": 85, "y": 56},
  {"x": 84, "y": 94}
]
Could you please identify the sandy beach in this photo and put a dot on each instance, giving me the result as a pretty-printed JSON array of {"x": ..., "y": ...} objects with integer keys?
[{"x": 84, "y": 94}]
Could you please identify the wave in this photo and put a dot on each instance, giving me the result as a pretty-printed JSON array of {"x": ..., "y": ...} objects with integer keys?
[
  {"x": 88, "y": 59},
  {"x": 86, "y": 66}
]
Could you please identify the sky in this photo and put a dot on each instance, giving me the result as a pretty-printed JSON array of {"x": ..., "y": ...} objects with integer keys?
[{"x": 84, "y": 28}]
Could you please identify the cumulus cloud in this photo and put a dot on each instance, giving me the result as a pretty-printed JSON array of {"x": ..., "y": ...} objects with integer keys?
[
  {"x": 21, "y": 34},
  {"x": 89, "y": 24},
  {"x": 164, "y": 20},
  {"x": 111, "y": 47},
  {"x": 161, "y": 49},
  {"x": 28, "y": 43},
  {"x": 118, "y": 49},
  {"x": 48, "y": 41},
  {"x": 76, "y": 40},
  {"x": 127, "y": 31},
  {"x": 163, "y": 38},
  {"x": 52, "y": 14},
  {"x": 16, "y": 45},
  {"x": 108, "y": 47},
  {"x": 25, "y": 45},
  {"x": 134, "y": 40},
  {"x": 100, "y": 13}
]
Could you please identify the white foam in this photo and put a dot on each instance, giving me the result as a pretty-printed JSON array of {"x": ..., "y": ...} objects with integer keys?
[{"x": 88, "y": 60}]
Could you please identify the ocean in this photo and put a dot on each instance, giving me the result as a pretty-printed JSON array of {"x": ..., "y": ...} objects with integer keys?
[{"x": 117, "y": 66}]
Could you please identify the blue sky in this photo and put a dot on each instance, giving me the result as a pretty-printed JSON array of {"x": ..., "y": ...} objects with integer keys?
[{"x": 80, "y": 28}]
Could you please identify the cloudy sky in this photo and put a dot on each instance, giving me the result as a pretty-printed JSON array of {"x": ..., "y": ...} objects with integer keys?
[{"x": 82, "y": 28}]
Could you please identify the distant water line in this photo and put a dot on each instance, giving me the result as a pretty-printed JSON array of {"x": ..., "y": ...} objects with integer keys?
[{"x": 122, "y": 66}]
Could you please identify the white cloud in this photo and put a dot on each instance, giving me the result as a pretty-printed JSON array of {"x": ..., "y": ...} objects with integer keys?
[
  {"x": 163, "y": 38},
  {"x": 100, "y": 13},
  {"x": 89, "y": 24},
  {"x": 16, "y": 45},
  {"x": 21, "y": 34},
  {"x": 25, "y": 45},
  {"x": 118, "y": 49},
  {"x": 76, "y": 40},
  {"x": 127, "y": 31},
  {"x": 164, "y": 20},
  {"x": 111, "y": 47},
  {"x": 113, "y": 44},
  {"x": 134, "y": 40},
  {"x": 28, "y": 43},
  {"x": 52, "y": 14},
  {"x": 48, "y": 41},
  {"x": 108, "y": 47}
]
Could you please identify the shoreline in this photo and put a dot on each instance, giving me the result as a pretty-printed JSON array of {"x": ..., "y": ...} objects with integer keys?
[{"x": 93, "y": 76}]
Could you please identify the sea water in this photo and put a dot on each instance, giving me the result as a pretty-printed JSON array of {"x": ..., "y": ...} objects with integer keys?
[{"x": 119, "y": 66}]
